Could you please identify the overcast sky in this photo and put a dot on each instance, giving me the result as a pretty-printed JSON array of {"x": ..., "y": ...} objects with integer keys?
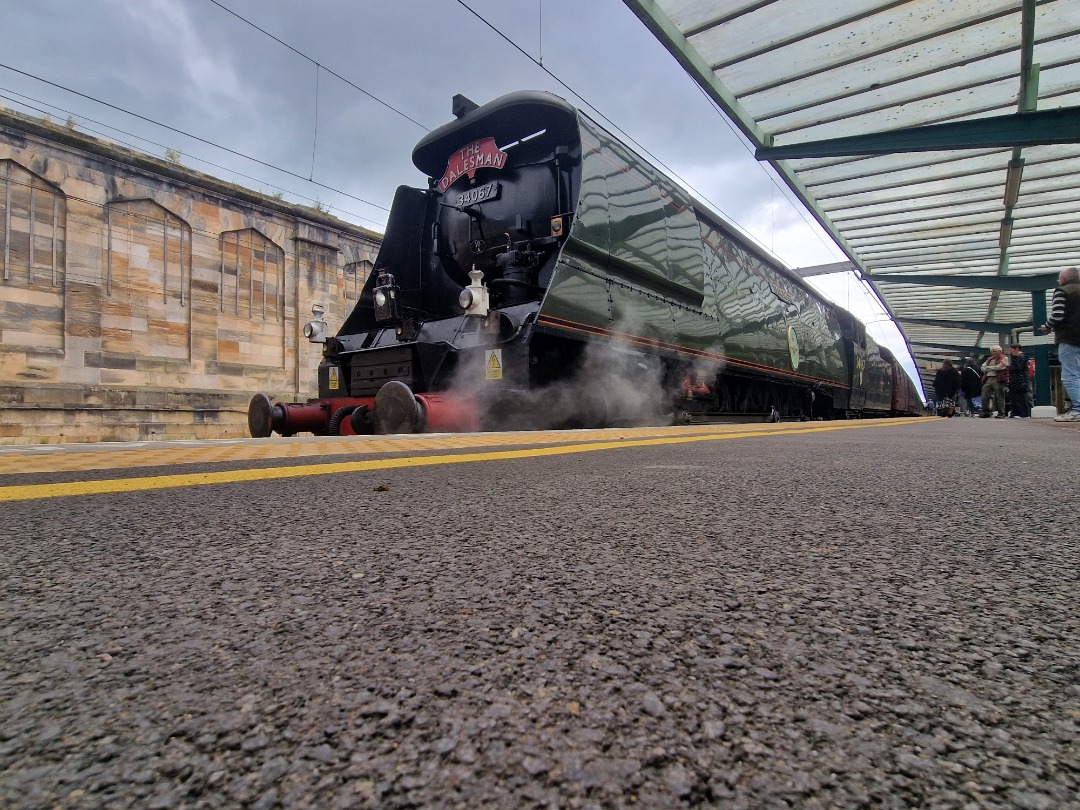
[{"x": 193, "y": 67}]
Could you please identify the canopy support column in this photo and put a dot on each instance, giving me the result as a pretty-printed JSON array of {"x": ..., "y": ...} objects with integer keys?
[{"x": 1041, "y": 351}]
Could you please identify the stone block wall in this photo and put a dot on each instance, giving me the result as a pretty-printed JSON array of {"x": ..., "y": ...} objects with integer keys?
[{"x": 142, "y": 300}]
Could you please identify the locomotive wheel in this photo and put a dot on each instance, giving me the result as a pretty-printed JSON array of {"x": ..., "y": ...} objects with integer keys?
[
  {"x": 396, "y": 409},
  {"x": 260, "y": 416}
]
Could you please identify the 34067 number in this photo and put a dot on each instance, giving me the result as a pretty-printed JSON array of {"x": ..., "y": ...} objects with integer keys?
[{"x": 488, "y": 191}]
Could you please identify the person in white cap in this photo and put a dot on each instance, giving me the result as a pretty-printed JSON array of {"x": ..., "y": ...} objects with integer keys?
[{"x": 995, "y": 375}]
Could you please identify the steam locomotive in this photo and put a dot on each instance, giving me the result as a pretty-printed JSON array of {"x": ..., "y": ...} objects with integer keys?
[{"x": 550, "y": 277}]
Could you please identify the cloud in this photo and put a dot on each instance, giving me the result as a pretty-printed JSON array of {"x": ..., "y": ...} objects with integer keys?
[{"x": 200, "y": 70}]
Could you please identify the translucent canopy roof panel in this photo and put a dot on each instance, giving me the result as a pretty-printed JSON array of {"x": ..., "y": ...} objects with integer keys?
[{"x": 991, "y": 190}]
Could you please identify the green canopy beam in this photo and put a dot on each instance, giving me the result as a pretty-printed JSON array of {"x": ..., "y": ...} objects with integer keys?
[
  {"x": 934, "y": 358},
  {"x": 1017, "y": 130},
  {"x": 952, "y": 347},
  {"x": 1043, "y": 281},
  {"x": 971, "y": 326}
]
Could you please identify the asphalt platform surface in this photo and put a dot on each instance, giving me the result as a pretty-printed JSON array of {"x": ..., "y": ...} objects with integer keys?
[{"x": 876, "y": 617}]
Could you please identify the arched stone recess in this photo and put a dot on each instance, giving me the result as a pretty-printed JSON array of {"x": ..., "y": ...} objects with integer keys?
[
  {"x": 252, "y": 275},
  {"x": 251, "y": 324},
  {"x": 146, "y": 309},
  {"x": 33, "y": 252}
]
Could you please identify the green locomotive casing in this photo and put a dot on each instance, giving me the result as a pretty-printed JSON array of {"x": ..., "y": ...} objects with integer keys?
[{"x": 647, "y": 265}]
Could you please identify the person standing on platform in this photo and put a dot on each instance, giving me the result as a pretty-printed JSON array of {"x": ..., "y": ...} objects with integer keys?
[
  {"x": 1064, "y": 322},
  {"x": 1018, "y": 383},
  {"x": 1031, "y": 383},
  {"x": 946, "y": 386},
  {"x": 971, "y": 385},
  {"x": 995, "y": 374}
]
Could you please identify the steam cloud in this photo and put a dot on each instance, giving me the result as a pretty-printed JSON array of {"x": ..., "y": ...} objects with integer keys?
[{"x": 612, "y": 384}]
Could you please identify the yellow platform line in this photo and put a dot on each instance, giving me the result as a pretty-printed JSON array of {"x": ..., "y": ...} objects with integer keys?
[
  {"x": 115, "y": 485},
  {"x": 72, "y": 458}
]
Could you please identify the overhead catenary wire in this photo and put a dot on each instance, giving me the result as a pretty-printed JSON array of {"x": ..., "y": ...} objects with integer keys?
[
  {"x": 493, "y": 28},
  {"x": 320, "y": 66},
  {"x": 783, "y": 189},
  {"x": 189, "y": 135},
  {"x": 303, "y": 55},
  {"x": 870, "y": 299},
  {"x": 23, "y": 100},
  {"x": 539, "y": 63}
]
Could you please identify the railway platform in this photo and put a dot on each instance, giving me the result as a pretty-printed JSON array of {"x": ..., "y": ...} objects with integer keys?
[{"x": 843, "y": 614}]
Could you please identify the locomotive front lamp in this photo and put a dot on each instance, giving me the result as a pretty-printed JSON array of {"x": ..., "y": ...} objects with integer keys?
[
  {"x": 315, "y": 330},
  {"x": 385, "y": 298},
  {"x": 474, "y": 299}
]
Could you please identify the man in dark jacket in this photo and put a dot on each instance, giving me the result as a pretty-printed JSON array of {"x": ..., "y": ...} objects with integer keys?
[
  {"x": 1018, "y": 383},
  {"x": 946, "y": 385},
  {"x": 1064, "y": 322}
]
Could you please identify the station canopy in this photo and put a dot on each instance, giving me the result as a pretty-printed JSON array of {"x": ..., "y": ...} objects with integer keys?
[{"x": 937, "y": 141}]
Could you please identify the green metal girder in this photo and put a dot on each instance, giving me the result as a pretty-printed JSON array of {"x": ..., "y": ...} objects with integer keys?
[
  {"x": 971, "y": 326},
  {"x": 933, "y": 358},
  {"x": 967, "y": 351},
  {"x": 1017, "y": 129},
  {"x": 1043, "y": 281}
]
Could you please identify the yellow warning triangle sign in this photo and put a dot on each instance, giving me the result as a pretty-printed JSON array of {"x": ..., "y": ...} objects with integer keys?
[{"x": 494, "y": 365}]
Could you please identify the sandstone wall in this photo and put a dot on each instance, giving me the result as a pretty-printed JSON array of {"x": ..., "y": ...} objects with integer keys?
[{"x": 142, "y": 300}]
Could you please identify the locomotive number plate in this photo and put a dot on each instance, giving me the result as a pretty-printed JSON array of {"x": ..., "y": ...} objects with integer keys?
[{"x": 488, "y": 191}]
